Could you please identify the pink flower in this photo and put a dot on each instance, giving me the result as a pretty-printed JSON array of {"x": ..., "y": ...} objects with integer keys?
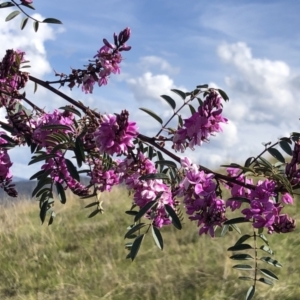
[
  {"x": 287, "y": 198},
  {"x": 26, "y": 1},
  {"x": 115, "y": 134}
]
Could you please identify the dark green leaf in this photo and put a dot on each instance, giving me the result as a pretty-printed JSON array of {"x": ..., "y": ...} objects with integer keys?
[
  {"x": 134, "y": 229},
  {"x": 51, "y": 220},
  {"x": 72, "y": 170},
  {"x": 12, "y": 15},
  {"x": 56, "y": 127},
  {"x": 242, "y": 239},
  {"x": 131, "y": 212},
  {"x": 179, "y": 93},
  {"x": 61, "y": 193},
  {"x": 23, "y": 23},
  {"x": 41, "y": 157},
  {"x": 94, "y": 213},
  {"x": 157, "y": 237},
  {"x": 92, "y": 204},
  {"x": 192, "y": 109},
  {"x": 136, "y": 246},
  {"x": 150, "y": 152},
  {"x": 37, "y": 174},
  {"x": 275, "y": 153},
  {"x": 240, "y": 247},
  {"x": 250, "y": 293},
  {"x": 28, "y": 5},
  {"x": 40, "y": 184},
  {"x": 169, "y": 100},
  {"x": 6, "y": 4},
  {"x": 36, "y": 26},
  {"x": 154, "y": 176},
  {"x": 249, "y": 161},
  {"x": 269, "y": 274},
  {"x": 180, "y": 121},
  {"x": 242, "y": 267},
  {"x": 79, "y": 152},
  {"x": 266, "y": 281},
  {"x": 52, "y": 21},
  {"x": 173, "y": 217},
  {"x": 169, "y": 163},
  {"x": 265, "y": 163},
  {"x": 144, "y": 210},
  {"x": 44, "y": 193},
  {"x": 236, "y": 221},
  {"x": 152, "y": 114},
  {"x": 241, "y": 257},
  {"x": 223, "y": 94},
  {"x": 285, "y": 146},
  {"x": 202, "y": 86},
  {"x": 43, "y": 211},
  {"x": 271, "y": 261}
]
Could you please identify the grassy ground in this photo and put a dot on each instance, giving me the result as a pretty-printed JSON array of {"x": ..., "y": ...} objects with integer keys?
[{"x": 81, "y": 258}]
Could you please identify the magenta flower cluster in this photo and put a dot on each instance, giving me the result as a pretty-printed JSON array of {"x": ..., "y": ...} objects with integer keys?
[
  {"x": 59, "y": 173},
  {"x": 145, "y": 191},
  {"x": 200, "y": 199},
  {"x": 108, "y": 59},
  {"x": 115, "y": 134},
  {"x": 264, "y": 210},
  {"x": 201, "y": 125},
  {"x": 41, "y": 132}
]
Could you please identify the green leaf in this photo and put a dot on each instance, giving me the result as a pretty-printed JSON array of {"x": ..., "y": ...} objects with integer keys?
[
  {"x": 179, "y": 93},
  {"x": 266, "y": 281},
  {"x": 6, "y": 4},
  {"x": 169, "y": 163},
  {"x": 240, "y": 247},
  {"x": 131, "y": 212},
  {"x": 52, "y": 21},
  {"x": 236, "y": 228},
  {"x": 51, "y": 218},
  {"x": 23, "y": 23},
  {"x": 134, "y": 229},
  {"x": 249, "y": 161},
  {"x": 242, "y": 239},
  {"x": 28, "y": 5},
  {"x": 241, "y": 257},
  {"x": 43, "y": 211},
  {"x": 92, "y": 204},
  {"x": 275, "y": 153},
  {"x": 171, "y": 102},
  {"x": 242, "y": 267},
  {"x": 40, "y": 184},
  {"x": 266, "y": 249},
  {"x": 250, "y": 293},
  {"x": 154, "y": 176},
  {"x": 236, "y": 221},
  {"x": 180, "y": 121},
  {"x": 271, "y": 261},
  {"x": 41, "y": 157},
  {"x": 265, "y": 162},
  {"x": 79, "y": 152},
  {"x": 37, "y": 174},
  {"x": 224, "y": 230},
  {"x": 94, "y": 213},
  {"x": 202, "y": 86},
  {"x": 150, "y": 152},
  {"x": 136, "y": 246},
  {"x": 72, "y": 170},
  {"x": 285, "y": 146},
  {"x": 157, "y": 237},
  {"x": 192, "y": 109},
  {"x": 223, "y": 94},
  {"x": 12, "y": 15},
  {"x": 144, "y": 210},
  {"x": 269, "y": 274},
  {"x": 152, "y": 114},
  {"x": 36, "y": 26},
  {"x": 61, "y": 193},
  {"x": 262, "y": 237},
  {"x": 173, "y": 217}
]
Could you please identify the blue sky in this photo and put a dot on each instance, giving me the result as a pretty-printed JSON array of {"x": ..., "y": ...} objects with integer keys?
[{"x": 248, "y": 48}]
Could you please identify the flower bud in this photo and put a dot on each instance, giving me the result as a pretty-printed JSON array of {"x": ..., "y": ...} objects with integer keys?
[{"x": 109, "y": 45}]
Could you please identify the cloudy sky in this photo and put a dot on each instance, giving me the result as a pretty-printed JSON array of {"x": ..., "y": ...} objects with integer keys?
[{"x": 248, "y": 48}]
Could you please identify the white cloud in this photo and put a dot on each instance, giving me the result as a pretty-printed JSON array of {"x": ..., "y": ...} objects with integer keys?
[
  {"x": 157, "y": 63},
  {"x": 149, "y": 86}
]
